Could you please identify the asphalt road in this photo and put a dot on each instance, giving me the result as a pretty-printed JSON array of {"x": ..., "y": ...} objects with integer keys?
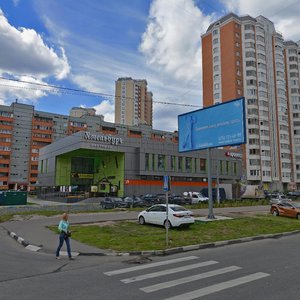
[{"x": 266, "y": 269}]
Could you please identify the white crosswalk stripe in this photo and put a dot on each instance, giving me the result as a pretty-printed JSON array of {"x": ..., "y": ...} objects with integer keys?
[
  {"x": 195, "y": 294},
  {"x": 151, "y": 265},
  {"x": 169, "y": 271},
  {"x": 219, "y": 287},
  {"x": 168, "y": 284}
]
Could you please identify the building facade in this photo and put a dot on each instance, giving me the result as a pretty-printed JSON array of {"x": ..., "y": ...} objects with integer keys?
[
  {"x": 246, "y": 56},
  {"x": 137, "y": 163},
  {"x": 133, "y": 102},
  {"x": 129, "y": 161},
  {"x": 24, "y": 131}
]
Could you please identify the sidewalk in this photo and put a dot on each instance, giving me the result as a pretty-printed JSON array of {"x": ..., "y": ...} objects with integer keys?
[{"x": 35, "y": 233}]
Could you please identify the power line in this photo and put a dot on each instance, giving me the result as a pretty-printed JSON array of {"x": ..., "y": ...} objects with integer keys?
[{"x": 67, "y": 90}]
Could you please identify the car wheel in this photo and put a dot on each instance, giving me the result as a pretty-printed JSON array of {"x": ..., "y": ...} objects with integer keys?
[
  {"x": 167, "y": 224},
  {"x": 275, "y": 213},
  {"x": 142, "y": 220},
  {"x": 298, "y": 216}
]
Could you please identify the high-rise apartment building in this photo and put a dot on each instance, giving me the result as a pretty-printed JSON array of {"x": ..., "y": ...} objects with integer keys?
[
  {"x": 133, "y": 102},
  {"x": 246, "y": 56}
]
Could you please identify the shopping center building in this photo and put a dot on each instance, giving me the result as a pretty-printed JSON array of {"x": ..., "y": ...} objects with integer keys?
[{"x": 129, "y": 160}]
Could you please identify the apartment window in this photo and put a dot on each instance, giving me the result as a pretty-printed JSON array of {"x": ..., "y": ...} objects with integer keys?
[
  {"x": 216, "y": 50},
  {"x": 216, "y": 77},
  {"x": 249, "y": 27},
  {"x": 217, "y": 68},
  {"x": 253, "y": 121},
  {"x": 260, "y": 47},
  {"x": 216, "y": 59},
  {"x": 251, "y": 92},
  {"x": 250, "y": 63},
  {"x": 237, "y": 53},
  {"x": 237, "y": 44},
  {"x": 260, "y": 38},
  {"x": 251, "y": 82},
  {"x": 217, "y": 96},
  {"x": 250, "y": 54},
  {"x": 215, "y": 32},
  {"x": 216, "y": 86},
  {"x": 249, "y": 45},
  {"x": 250, "y": 73},
  {"x": 254, "y": 172},
  {"x": 249, "y": 36},
  {"x": 252, "y": 101},
  {"x": 215, "y": 41}
]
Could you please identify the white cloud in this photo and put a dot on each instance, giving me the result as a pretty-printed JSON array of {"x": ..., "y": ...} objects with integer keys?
[
  {"x": 284, "y": 14},
  {"x": 23, "y": 51},
  {"x": 172, "y": 40},
  {"x": 11, "y": 90},
  {"x": 24, "y": 56},
  {"x": 107, "y": 109}
]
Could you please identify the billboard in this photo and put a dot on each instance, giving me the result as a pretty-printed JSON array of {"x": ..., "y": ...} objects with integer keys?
[{"x": 214, "y": 126}]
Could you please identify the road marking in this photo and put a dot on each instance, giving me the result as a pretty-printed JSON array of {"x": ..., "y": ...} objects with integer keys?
[
  {"x": 219, "y": 287},
  {"x": 152, "y": 265},
  {"x": 169, "y": 271},
  {"x": 168, "y": 284}
]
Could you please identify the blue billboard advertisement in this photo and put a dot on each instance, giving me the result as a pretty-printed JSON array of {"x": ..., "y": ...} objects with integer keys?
[{"x": 215, "y": 126}]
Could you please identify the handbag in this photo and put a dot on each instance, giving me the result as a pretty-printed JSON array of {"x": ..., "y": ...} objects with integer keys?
[{"x": 68, "y": 233}]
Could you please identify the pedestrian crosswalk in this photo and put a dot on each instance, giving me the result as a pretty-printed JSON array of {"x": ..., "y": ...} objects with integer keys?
[{"x": 168, "y": 267}]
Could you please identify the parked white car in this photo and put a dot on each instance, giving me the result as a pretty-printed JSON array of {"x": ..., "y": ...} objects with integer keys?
[
  {"x": 198, "y": 198},
  {"x": 156, "y": 214}
]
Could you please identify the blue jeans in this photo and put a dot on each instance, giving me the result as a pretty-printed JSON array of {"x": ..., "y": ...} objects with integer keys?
[{"x": 63, "y": 237}]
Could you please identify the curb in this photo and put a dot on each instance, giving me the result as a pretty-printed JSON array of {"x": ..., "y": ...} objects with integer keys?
[
  {"x": 169, "y": 251},
  {"x": 21, "y": 241},
  {"x": 209, "y": 245}
]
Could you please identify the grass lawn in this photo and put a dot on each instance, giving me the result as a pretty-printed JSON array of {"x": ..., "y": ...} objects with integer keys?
[{"x": 130, "y": 236}]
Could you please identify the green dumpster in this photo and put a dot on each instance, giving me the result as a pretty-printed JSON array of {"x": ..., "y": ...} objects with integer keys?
[{"x": 13, "y": 198}]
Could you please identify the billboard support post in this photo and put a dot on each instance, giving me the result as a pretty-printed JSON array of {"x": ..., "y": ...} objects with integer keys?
[{"x": 210, "y": 200}]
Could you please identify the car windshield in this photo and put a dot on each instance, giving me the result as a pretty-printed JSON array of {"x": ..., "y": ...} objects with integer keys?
[{"x": 178, "y": 208}]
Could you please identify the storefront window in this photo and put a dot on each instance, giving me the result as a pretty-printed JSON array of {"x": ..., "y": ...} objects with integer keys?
[
  {"x": 202, "y": 164},
  {"x": 179, "y": 164},
  {"x": 188, "y": 164},
  {"x": 153, "y": 162},
  {"x": 147, "y": 161},
  {"x": 173, "y": 162},
  {"x": 161, "y": 162}
]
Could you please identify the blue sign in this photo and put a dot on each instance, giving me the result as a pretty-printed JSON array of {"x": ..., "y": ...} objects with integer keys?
[
  {"x": 166, "y": 183},
  {"x": 215, "y": 126}
]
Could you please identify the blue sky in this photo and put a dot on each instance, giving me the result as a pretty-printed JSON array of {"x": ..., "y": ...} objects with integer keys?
[{"x": 89, "y": 44}]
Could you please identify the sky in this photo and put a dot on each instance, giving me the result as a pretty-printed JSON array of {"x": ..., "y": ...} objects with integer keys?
[{"x": 87, "y": 45}]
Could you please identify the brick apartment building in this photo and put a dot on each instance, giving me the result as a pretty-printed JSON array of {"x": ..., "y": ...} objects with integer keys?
[{"x": 246, "y": 56}]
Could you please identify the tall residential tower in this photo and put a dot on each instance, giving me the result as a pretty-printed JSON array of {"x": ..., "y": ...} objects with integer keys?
[
  {"x": 246, "y": 56},
  {"x": 133, "y": 102}
]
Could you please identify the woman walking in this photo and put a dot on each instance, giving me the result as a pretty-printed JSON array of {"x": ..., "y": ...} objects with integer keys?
[{"x": 64, "y": 234}]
